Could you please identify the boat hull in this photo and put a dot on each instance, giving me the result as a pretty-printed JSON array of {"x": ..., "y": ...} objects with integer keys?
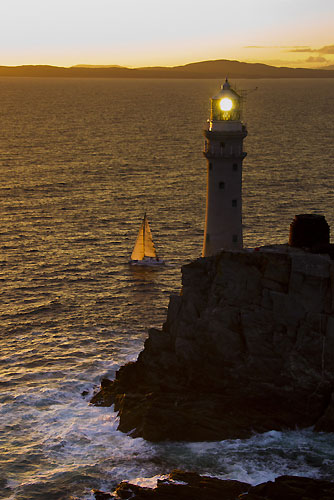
[{"x": 147, "y": 262}]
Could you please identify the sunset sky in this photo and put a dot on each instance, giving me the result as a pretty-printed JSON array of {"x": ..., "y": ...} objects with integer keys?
[{"x": 297, "y": 33}]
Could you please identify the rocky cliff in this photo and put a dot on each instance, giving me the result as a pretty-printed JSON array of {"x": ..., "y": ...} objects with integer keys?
[{"x": 248, "y": 346}]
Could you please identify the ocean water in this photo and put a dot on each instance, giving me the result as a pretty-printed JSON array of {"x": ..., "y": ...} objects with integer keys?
[{"x": 80, "y": 163}]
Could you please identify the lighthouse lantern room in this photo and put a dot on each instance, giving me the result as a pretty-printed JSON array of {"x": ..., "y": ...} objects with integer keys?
[{"x": 224, "y": 153}]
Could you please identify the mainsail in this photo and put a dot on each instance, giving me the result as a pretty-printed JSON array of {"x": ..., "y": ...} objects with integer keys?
[{"x": 144, "y": 246}]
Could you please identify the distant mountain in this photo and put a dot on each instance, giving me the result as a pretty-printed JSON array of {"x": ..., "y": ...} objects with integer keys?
[
  {"x": 330, "y": 67},
  {"x": 97, "y": 66},
  {"x": 205, "y": 69},
  {"x": 73, "y": 72}
]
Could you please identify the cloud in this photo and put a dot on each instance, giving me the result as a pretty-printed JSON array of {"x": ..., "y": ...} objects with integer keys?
[
  {"x": 297, "y": 48},
  {"x": 328, "y": 49},
  {"x": 316, "y": 59},
  {"x": 304, "y": 49}
]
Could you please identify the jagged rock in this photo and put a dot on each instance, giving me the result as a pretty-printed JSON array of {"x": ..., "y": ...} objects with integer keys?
[
  {"x": 100, "y": 495},
  {"x": 184, "y": 486},
  {"x": 181, "y": 485},
  {"x": 247, "y": 346},
  {"x": 291, "y": 488}
]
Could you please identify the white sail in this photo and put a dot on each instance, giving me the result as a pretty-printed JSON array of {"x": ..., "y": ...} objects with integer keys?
[{"x": 144, "y": 246}]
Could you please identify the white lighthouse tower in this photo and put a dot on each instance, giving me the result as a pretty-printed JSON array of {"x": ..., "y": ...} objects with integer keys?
[{"x": 224, "y": 153}]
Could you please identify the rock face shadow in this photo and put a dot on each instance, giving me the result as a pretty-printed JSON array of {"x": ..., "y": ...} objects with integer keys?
[{"x": 248, "y": 346}]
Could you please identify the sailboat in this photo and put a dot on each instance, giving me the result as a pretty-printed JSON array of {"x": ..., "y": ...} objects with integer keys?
[{"x": 144, "y": 252}]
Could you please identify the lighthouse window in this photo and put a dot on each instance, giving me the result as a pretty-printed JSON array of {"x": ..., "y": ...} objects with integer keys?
[
  {"x": 234, "y": 203},
  {"x": 234, "y": 238},
  {"x": 221, "y": 185},
  {"x": 235, "y": 166}
]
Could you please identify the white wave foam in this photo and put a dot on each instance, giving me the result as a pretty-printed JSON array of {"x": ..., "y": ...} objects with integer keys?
[{"x": 265, "y": 456}]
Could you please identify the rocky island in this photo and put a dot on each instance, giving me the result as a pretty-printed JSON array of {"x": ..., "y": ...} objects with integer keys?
[{"x": 248, "y": 346}]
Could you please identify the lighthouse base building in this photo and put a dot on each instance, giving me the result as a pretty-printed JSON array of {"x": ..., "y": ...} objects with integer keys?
[{"x": 224, "y": 153}]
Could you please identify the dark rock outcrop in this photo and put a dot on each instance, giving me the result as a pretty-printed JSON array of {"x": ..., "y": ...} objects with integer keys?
[
  {"x": 189, "y": 486},
  {"x": 247, "y": 346}
]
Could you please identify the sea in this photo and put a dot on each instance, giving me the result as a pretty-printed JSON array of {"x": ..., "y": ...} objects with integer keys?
[{"x": 81, "y": 160}]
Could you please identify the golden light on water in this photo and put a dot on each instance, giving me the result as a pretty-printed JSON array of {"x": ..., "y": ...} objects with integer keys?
[{"x": 226, "y": 104}]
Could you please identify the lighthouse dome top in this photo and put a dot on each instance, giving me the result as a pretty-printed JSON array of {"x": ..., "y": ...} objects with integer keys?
[
  {"x": 226, "y": 91},
  {"x": 226, "y": 85}
]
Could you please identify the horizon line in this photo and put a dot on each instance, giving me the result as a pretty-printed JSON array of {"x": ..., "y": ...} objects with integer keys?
[{"x": 92, "y": 65}]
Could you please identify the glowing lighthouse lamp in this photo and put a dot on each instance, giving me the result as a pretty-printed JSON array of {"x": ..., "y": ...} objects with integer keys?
[
  {"x": 226, "y": 104},
  {"x": 224, "y": 153}
]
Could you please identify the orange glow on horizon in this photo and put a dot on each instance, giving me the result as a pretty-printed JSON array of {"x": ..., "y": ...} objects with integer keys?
[{"x": 147, "y": 33}]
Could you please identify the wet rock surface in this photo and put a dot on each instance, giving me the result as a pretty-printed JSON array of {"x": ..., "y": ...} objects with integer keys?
[
  {"x": 248, "y": 346},
  {"x": 189, "y": 486}
]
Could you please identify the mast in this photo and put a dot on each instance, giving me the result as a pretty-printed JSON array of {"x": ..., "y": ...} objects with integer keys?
[{"x": 144, "y": 226}]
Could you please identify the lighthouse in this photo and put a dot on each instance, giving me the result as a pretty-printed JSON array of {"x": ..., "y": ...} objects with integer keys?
[{"x": 224, "y": 153}]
